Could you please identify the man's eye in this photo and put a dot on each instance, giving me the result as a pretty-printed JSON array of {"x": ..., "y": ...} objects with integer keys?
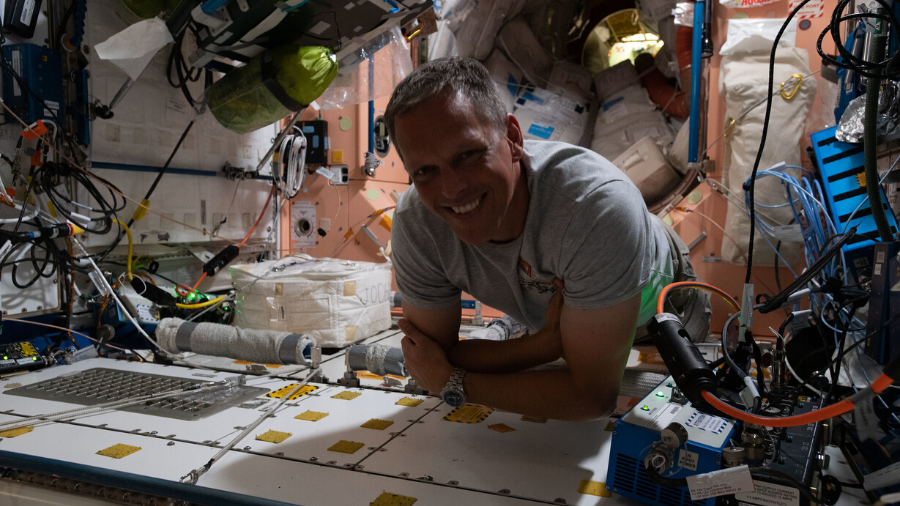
[
  {"x": 472, "y": 154},
  {"x": 424, "y": 173}
]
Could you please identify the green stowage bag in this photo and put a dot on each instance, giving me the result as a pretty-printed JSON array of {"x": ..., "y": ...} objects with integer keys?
[
  {"x": 132, "y": 11},
  {"x": 270, "y": 86}
]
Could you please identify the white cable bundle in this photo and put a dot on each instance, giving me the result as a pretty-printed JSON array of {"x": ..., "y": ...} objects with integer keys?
[{"x": 292, "y": 160}]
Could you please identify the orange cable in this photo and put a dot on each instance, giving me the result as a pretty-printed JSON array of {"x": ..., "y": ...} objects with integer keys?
[{"x": 693, "y": 284}]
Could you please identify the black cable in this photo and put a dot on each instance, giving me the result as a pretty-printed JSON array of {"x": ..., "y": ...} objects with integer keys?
[
  {"x": 870, "y": 147},
  {"x": 887, "y": 69},
  {"x": 762, "y": 140},
  {"x": 165, "y": 166}
]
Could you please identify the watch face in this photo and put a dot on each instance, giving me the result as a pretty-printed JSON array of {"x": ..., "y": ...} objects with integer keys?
[{"x": 454, "y": 398}]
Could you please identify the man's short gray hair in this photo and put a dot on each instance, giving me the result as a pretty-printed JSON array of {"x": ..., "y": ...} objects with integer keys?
[{"x": 448, "y": 75}]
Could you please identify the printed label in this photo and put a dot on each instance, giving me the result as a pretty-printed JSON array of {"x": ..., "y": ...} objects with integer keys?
[
  {"x": 865, "y": 420},
  {"x": 707, "y": 423},
  {"x": 814, "y": 9},
  {"x": 713, "y": 260},
  {"x": 27, "y": 12},
  {"x": 664, "y": 417},
  {"x": 788, "y": 233},
  {"x": 886, "y": 477},
  {"x": 688, "y": 460},
  {"x": 17, "y": 66},
  {"x": 542, "y": 131},
  {"x": 769, "y": 494},
  {"x": 717, "y": 483}
]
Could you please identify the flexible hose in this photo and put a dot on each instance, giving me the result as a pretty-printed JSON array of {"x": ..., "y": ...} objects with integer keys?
[
  {"x": 831, "y": 411},
  {"x": 870, "y": 142},
  {"x": 660, "y": 302}
]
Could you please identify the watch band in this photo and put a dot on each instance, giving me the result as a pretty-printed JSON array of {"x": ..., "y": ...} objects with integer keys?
[{"x": 457, "y": 378}]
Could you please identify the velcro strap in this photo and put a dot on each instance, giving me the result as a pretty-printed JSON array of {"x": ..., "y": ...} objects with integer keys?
[{"x": 183, "y": 336}]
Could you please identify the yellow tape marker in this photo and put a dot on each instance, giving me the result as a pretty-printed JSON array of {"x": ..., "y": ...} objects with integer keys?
[
  {"x": 533, "y": 419},
  {"x": 501, "y": 428},
  {"x": 349, "y": 288},
  {"x": 118, "y": 451},
  {"x": 12, "y": 385},
  {"x": 16, "y": 432},
  {"x": 349, "y": 234},
  {"x": 386, "y": 222},
  {"x": 346, "y": 396},
  {"x": 609, "y": 426},
  {"x": 377, "y": 424},
  {"x": 273, "y": 436},
  {"x": 244, "y": 362},
  {"x": 337, "y": 156},
  {"x": 389, "y": 499},
  {"x": 140, "y": 212},
  {"x": 311, "y": 416},
  {"x": 344, "y": 446},
  {"x": 281, "y": 392},
  {"x": 597, "y": 488},
  {"x": 861, "y": 179},
  {"x": 470, "y": 413},
  {"x": 409, "y": 402}
]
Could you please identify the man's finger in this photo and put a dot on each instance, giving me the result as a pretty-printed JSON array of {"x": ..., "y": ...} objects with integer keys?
[{"x": 410, "y": 330}]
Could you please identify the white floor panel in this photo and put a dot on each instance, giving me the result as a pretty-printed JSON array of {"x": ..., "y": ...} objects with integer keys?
[
  {"x": 310, "y": 440},
  {"x": 456, "y": 462},
  {"x": 545, "y": 461}
]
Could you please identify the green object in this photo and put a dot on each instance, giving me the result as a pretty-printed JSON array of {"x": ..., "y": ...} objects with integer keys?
[
  {"x": 346, "y": 123},
  {"x": 270, "y": 86},
  {"x": 132, "y": 11},
  {"x": 695, "y": 197}
]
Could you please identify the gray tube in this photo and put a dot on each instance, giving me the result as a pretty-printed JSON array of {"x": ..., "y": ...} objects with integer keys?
[
  {"x": 260, "y": 346},
  {"x": 378, "y": 359}
]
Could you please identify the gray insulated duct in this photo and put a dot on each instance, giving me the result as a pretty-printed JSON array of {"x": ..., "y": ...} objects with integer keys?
[
  {"x": 260, "y": 346},
  {"x": 378, "y": 359}
]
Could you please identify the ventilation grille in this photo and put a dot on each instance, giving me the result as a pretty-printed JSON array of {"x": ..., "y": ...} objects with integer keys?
[
  {"x": 98, "y": 386},
  {"x": 630, "y": 477}
]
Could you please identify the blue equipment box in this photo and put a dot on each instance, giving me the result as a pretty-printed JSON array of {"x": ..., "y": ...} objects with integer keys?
[
  {"x": 41, "y": 70},
  {"x": 635, "y": 433},
  {"x": 842, "y": 172}
]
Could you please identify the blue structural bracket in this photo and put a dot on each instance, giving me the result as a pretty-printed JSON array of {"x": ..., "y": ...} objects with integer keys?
[
  {"x": 134, "y": 482},
  {"x": 696, "y": 77}
]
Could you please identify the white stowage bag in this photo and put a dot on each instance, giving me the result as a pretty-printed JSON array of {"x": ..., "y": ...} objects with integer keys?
[
  {"x": 475, "y": 37},
  {"x": 626, "y": 117},
  {"x": 335, "y": 301},
  {"x": 743, "y": 82}
]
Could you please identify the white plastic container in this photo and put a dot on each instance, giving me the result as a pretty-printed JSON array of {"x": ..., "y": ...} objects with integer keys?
[
  {"x": 646, "y": 166},
  {"x": 335, "y": 301}
]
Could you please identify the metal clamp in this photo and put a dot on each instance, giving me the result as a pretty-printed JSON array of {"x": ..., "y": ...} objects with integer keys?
[
  {"x": 729, "y": 129},
  {"x": 789, "y": 94}
]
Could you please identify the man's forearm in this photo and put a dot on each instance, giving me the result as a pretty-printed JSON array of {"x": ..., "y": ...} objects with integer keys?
[
  {"x": 552, "y": 394},
  {"x": 484, "y": 356}
]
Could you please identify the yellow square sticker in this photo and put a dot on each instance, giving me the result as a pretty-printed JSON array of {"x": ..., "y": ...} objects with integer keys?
[
  {"x": 344, "y": 446},
  {"x": 281, "y": 392},
  {"x": 346, "y": 396},
  {"x": 501, "y": 428},
  {"x": 533, "y": 419},
  {"x": 409, "y": 401},
  {"x": 389, "y": 499},
  {"x": 273, "y": 436},
  {"x": 311, "y": 416},
  {"x": 337, "y": 156},
  {"x": 118, "y": 451},
  {"x": 377, "y": 424},
  {"x": 470, "y": 413},
  {"x": 16, "y": 432},
  {"x": 597, "y": 488}
]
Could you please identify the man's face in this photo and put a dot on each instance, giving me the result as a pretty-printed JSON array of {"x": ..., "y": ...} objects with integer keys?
[{"x": 466, "y": 172}]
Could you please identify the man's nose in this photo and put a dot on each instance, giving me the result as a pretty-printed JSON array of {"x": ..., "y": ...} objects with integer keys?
[{"x": 453, "y": 184}]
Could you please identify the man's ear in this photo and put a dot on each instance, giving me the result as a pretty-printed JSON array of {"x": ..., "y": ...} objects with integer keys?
[{"x": 514, "y": 138}]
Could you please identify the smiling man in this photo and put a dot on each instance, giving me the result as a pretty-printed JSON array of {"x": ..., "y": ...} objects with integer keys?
[{"x": 552, "y": 234}]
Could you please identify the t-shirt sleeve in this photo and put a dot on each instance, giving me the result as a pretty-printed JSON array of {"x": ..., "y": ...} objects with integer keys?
[
  {"x": 608, "y": 250},
  {"x": 417, "y": 269}
]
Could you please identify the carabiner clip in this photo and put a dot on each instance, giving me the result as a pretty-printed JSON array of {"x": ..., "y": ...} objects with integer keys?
[{"x": 787, "y": 95}]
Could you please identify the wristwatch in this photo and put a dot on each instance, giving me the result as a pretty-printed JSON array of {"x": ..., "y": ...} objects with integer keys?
[{"x": 454, "y": 393}]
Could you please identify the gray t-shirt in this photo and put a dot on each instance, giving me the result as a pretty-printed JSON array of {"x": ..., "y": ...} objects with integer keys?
[{"x": 587, "y": 224}]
